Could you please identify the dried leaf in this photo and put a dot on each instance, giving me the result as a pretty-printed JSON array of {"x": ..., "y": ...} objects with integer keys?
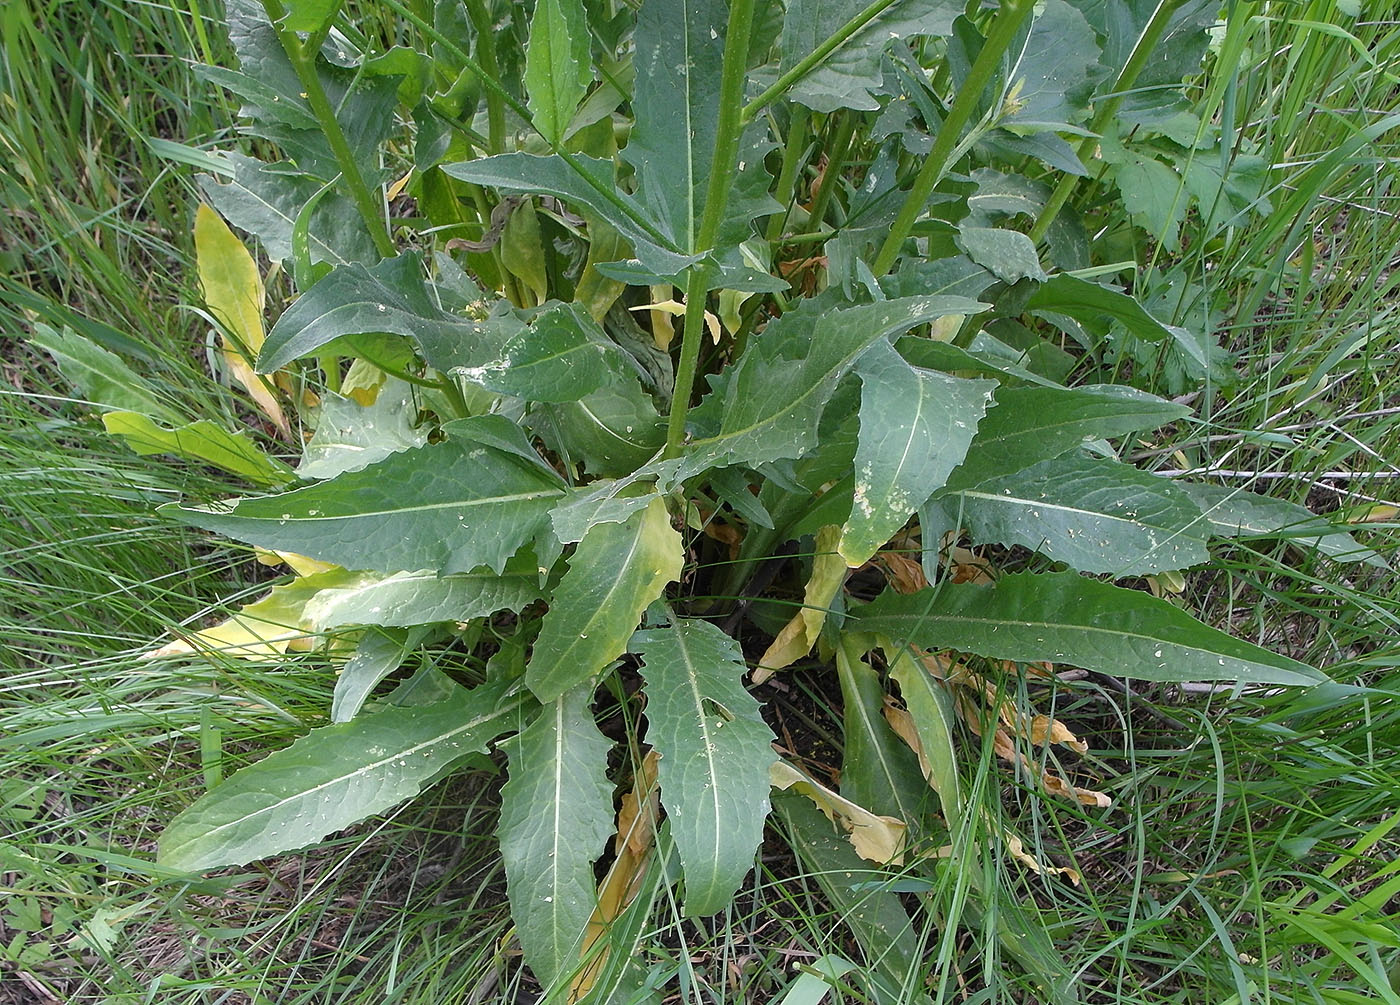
[{"x": 874, "y": 837}]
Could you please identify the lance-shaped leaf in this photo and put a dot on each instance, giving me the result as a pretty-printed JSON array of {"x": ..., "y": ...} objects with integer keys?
[
  {"x": 201, "y": 441},
  {"x": 1070, "y": 619},
  {"x": 617, "y": 570},
  {"x": 1032, "y": 424},
  {"x": 562, "y": 356},
  {"x": 931, "y": 715},
  {"x": 1094, "y": 515},
  {"x": 556, "y": 814},
  {"x": 715, "y": 753},
  {"x": 769, "y": 408},
  {"x": 915, "y": 427},
  {"x": 333, "y": 777},
  {"x": 419, "y": 598},
  {"x": 556, "y": 65},
  {"x": 390, "y": 296},
  {"x": 1092, "y": 305},
  {"x": 521, "y": 172},
  {"x": 876, "y": 769},
  {"x": 1237, "y": 513},
  {"x": 450, "y": 507},
  {"x": 849, "y": 77}
]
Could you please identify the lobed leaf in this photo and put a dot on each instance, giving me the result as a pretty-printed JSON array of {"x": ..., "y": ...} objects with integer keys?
[
  {"x": 915, "y": 428},
  {"x": 715, "y": 753},
  {"x": 556, "y": 814}
]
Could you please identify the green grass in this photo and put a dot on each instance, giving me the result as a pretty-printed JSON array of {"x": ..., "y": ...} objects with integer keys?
[{"x": 1249, "y": 854}]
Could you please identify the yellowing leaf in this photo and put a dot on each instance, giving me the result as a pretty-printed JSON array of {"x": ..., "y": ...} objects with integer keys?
[
  {"x": 874, "y": 837},
  {"x": 233, "y": 291},
  {"x": 299, "y": 564},
  {"x": 800, "y": 634},
  {"x": 260, "y": 632},
  {"x": 636, "y": 836}
]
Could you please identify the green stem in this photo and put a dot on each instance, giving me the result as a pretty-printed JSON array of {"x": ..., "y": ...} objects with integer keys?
[
  {"x": 493, "y": 87},
  {"x": 490, "y": 70},
  {"x": 1105, "y": 112},
  {"x": 787, "y": 175},
  {"x": 1004, "y": 29},
  {"x": 730, "y": 126},
  {"x": 808, "y": 63},
  {"x": 835, "y": 163},
  {"x": 304, "y": 63}
]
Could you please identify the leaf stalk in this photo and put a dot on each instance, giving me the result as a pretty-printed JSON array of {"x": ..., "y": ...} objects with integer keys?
[
  {"x": 303, "y": 60},
  {"x": 1004, "y": 29},
  {"x": 1105, "y": 112}
]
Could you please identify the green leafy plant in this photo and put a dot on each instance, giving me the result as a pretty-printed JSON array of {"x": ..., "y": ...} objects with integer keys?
[{"x": 520, "y": 498}]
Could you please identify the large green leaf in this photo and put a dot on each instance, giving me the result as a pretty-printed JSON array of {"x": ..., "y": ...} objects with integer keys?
[
  {"x": 769, "y": 406},
  {"x": 613, "y": 431},
  {"x": 1067, "y": 618},
  {"x": 617, "y": 570},
  {"x": 1237, "y": 513},
  {"x": 556, "y": 814},
  {"x": 390, "y": 296},
  {"x": 850, "y": 76},
  {"x": 1094, "y": 515},
  {"x": 561, "y": 357},
  {"x": 1032, "y": 424},
  {"x": 450, "y": 507},
  {"x": 1178, "y": 54},
  {"x": 557, "y": 71},
  {"x": 915, "y": 427},
  {"x": 1091, "y": 303},
  {"x": 333, "y": 777},
  {"x": 551, "y": 175},
  {"x": 1054, "y": 72},
  {"x": 931, "y": 710},
  {"x": 418, "y": 598},
  {"x": 680, "y": 53},
  {"x": 265, "y": 199},
  {"x": 715, "y": 752}
]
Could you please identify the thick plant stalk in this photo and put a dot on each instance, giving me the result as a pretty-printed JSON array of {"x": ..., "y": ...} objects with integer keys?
[
  {"x": 1008, "y": 22},
  {"x": 303, "y": 60},
  {"x": 1106, "y": 111},
  {"x": 731, "y": 92}
]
